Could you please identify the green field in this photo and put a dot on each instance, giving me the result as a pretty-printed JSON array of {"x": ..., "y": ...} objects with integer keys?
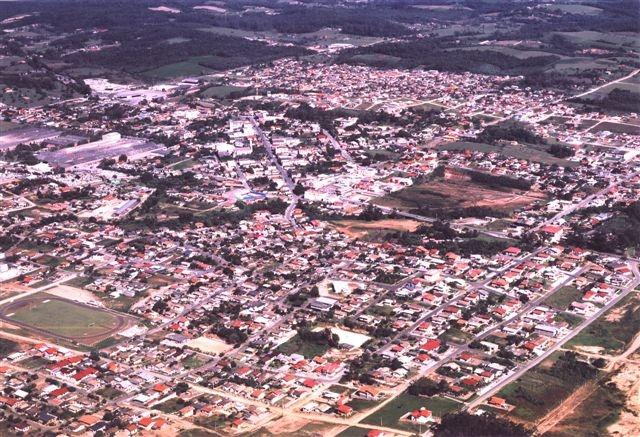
[
  {"x": 530, "y": 153},
  {"x": 178, "y": 69},
  {"x": 574, "y": 9},
  {"x": 307, "y": 348},
  {"x": 618, "y": 128},
  {"x": 60, "y": 317},
  {"x": 614, "y": 330},
  {"x": 562, "y": 298},
  {"x": 222, "y": 91},
  {"x": 391, "y": 413},
  {"x": 539, "y": 390}
]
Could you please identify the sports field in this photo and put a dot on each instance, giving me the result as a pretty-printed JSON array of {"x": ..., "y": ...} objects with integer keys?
[{"x": 58, "y": 317}]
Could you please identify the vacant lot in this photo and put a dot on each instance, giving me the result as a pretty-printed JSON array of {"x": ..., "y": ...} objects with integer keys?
[
  {"x": 391, "y": 413},
  {"x": 447, "y": 195},
  {"x": 539, "y": 390},
  {"x": 308, "y": 349},
  {"x": 562, "y": 298},
  {"x": 360, "y": 228},
  {"x": 222, "y": 91},
  {"x": 614, "y": 330},
  {"x": 618, "y": 128},
  {"x": 527, "y": 152},
  {"x": 179, "y": 69},
  {"x": 52, "y": 315}
]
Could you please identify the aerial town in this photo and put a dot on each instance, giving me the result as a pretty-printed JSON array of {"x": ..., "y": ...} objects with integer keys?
[{"x": 305, "y": 245}]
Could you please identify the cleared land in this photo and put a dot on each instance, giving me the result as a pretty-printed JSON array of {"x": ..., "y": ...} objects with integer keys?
[
  {"x": 614, "y": 330},
  {"x": 53, "y": 316},
  {"x": 360, "y": 228},
  {"x": 541, "y": 389},
  {"x": 527, "y": 152},
  {"x": 446, "y": 195},
  {"x": 209, "y": 345}
]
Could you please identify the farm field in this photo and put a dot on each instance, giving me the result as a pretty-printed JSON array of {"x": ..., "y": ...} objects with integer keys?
[{"x": 58, "y": 317}]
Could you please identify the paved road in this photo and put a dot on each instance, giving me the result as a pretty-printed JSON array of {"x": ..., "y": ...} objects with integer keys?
[
  {"x": 283, "y": 172},
  {"x": 336, "y": 145},
  {"x": 531, "y": 364}
]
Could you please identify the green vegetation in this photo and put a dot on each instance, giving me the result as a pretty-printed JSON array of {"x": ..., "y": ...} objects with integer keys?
[
  {"x": 539, "y": 390},
  {"x": 460, "y": 424},
  {"x": 310, "y": 343},
  {"x": 614, "y": 330},
  {"x": 391, "y": 413},
  {"x": 528, "y": 152},
  {"x": 109, "y": 392},
  {"x": 456, "y": 335},
  {"x": 592, "y": 417},
  {"x": 7, "y": 347},
  {"x": 62, "y": 317},
  {"x": 223, "y": 91},
  {"x": 170, "y": 406},
  {"x": 562, "y": 298}
]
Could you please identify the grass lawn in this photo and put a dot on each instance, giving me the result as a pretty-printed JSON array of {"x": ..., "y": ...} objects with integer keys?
[
  {"x": 391, "y": 413},
  {"x": 571, "y": 319},
  {"x": 613, "y": 330},
  {"x": 562, "y": 298},
  {"x": 182, "y": 165},
  {"x": 61, "y": 317},
  {"x": 299, "y": 346}
]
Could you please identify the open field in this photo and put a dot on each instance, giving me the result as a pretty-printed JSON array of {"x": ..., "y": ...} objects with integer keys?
[
  {"x": 614, "y": 330},
  {"x": 209, "y": 345},
  {"x": 57, "y": 317},
  {"x": 360, "y": 228},
  {"x": 391, "y": 413},
  {"x": 179, "y": 69},
  {"x": 449, "y": 194},
  {"x": 574, "y": 9},
  {"x": 308, "y": 349},
  {"x": 562, "y": 298},
  {"x": 540, "y": 390},
  {"x": 222, "y": 91},
  {"x": 530, "y": 153},
  {"x": 618, "y": 128}
]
